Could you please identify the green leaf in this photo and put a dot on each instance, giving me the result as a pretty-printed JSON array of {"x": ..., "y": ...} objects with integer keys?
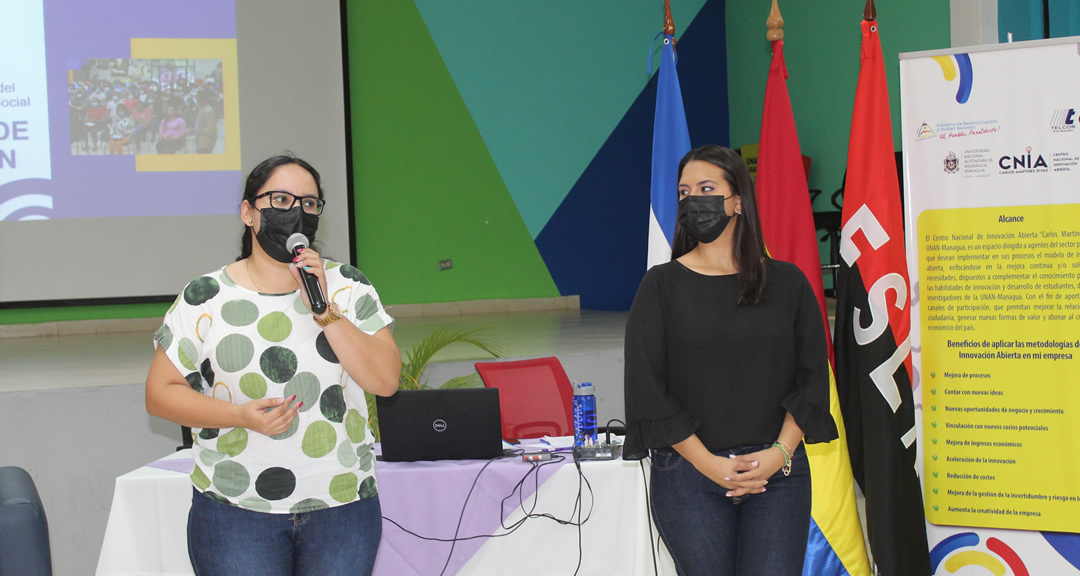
[{"x": 468, "y": 381}]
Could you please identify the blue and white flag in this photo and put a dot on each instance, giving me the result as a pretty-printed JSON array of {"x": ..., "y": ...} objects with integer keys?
[{"x": 671, "y": 141}]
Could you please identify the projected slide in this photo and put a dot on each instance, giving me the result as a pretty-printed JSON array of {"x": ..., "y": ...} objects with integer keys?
[{"x": 118, "y": 108}]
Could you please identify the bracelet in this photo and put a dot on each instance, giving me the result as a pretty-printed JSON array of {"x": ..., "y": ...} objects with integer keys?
[{"x": 787, "y": 459}]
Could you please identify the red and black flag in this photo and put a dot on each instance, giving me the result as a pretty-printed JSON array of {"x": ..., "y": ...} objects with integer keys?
[{"x": 873, "y": 349}]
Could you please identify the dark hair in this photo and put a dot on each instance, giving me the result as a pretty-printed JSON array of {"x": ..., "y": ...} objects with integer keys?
[
  {"x": 257, "y": 179},
  {"x": 748, "y": 247}
]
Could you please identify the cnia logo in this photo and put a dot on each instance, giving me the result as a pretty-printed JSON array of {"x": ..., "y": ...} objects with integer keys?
[
  {"x": 1022, "y": 163},
  {"x": 439, "y": 425}
]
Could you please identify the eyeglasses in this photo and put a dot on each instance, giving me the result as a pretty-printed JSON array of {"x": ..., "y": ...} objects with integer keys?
[{"x": 281, "y": 200}]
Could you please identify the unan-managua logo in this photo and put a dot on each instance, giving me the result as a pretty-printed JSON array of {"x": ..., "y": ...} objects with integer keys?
[
  {"x": 1023, "y": 162},
  {"x": 952, "y": 165}
]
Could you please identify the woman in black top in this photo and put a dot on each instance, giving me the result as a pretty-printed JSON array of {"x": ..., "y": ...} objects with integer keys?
[{"x": 726, "y": 375}]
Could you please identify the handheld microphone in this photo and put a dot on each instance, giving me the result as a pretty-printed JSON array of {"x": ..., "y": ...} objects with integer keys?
[{"x": 311, "y": 282}]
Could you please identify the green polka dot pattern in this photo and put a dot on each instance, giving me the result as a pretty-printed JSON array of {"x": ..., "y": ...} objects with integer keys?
[
  {"x": 200, "y": 290},
  {"x": 343, "y": 487},
  {"x": 293, "y": 427},
  {"x": 367, "y": 488},
  {"x": 352, "y": 273},
  {"x": 164, "y": 337},
  {"x": 366, "y": 457},
  {"x": 275, "y": 327},
  {"x": 278, "y": 364},
  {"x": 345, "y": 455},
  {"x": 319, "y": 439},
  {"x": 231, "y": 478},
  {"x": 253, "y": 385},
  {"x": 365, "y": 307},
  {"x": 225, "y": 279},
  {"x": 308, "y": 505},
  {"x": 210, "y": 457},
  {"x": 199, "y": 479},
  {"x": 233, "y": 442},
  {"x": 332, "y": 404},
  {"x": 298, "y": 305},
  {"x": 188, "y": 355},
  {"x": 256, "y": 504},
  {"x": 306, "y": 387},
  {"x": 239, "y": 312},
  {"x": 234, "y": 352},
  {"x": 275, "y": 483},
  {"x": 354, "y": 425}
]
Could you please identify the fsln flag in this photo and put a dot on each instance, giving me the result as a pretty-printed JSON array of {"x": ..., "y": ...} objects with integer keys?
[
  {"x": 873, "y": 350},
  {"x": 671, "y": 141},
  {"x": 835, "y": 545}
]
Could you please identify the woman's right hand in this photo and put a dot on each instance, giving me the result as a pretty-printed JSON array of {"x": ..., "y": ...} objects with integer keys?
[{"x": 269, "y": 416}]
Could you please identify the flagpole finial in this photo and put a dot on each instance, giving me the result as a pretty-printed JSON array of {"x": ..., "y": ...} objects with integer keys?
[
  {"x": 869, "y": 13},
  {"x": 775, "y": 23},
  {"x": 669, "y": 22}
]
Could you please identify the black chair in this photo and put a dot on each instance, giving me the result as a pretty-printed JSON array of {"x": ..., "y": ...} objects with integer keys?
[
  {"x": 185, "y": 438},
  {"x": 24, "y": 530}
]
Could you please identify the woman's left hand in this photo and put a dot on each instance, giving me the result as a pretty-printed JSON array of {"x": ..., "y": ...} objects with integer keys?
[
  {"x": 313, "y": 263},
  {"x": 769, "y": 461}
]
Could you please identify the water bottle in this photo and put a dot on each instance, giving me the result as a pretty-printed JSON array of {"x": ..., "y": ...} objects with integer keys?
[{"x": 584, "y": 415}]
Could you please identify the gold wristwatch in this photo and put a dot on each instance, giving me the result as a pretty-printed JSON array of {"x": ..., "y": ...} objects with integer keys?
[{"x": 333, "y": 315}]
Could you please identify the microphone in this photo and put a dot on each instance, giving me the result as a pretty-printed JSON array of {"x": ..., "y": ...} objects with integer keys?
[{"x": 311, "y": 282}]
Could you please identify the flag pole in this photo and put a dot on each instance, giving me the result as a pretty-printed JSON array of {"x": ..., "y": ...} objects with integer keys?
[
  {"x": 775, "y": 24},
  {"x": 869, "y": 13}
]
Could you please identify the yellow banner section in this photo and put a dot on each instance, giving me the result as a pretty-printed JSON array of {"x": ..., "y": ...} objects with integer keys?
[{"x": 1000, "y": 323}]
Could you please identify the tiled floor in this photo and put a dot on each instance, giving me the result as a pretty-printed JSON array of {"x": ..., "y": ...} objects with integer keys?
[{"x": 124, "y": 357}]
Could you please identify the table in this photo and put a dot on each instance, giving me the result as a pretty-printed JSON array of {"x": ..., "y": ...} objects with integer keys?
[{"x": 146, "y": 533}]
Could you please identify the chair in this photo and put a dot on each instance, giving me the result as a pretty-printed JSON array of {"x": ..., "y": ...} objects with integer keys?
[
  {"x": 535, "y": 396},
  {"x": 24, "y": 530}
]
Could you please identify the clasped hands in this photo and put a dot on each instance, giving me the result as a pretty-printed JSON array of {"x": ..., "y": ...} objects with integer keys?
[{"x": 744, "y": 474}]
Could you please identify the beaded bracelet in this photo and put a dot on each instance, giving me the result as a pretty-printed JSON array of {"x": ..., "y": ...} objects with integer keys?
[{"x": 787, "y": 458}]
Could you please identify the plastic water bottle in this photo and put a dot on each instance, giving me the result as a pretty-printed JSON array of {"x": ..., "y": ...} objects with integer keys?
[{"x": 584, "y": 415}]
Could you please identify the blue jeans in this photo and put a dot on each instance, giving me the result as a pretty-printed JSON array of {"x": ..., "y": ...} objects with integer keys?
[
  {"x": 710, "y": 533},
  {"x": 227, "y": 540}
]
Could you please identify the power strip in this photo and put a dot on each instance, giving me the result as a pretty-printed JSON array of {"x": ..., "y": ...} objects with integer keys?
[{"x": 598, "y": 452}]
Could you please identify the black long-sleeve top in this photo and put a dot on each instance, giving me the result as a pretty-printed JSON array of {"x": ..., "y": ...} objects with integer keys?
[{"x": 698, "y": 362}]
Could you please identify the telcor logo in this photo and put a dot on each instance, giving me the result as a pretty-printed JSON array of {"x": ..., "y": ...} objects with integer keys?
[{"x": 1064, "y": 120}]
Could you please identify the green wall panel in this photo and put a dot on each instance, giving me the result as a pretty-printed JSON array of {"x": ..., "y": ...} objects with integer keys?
[
  {"x": 546, "y": 82},
  {"x": 426, "y": 188},
  {"x": 66, "y": 313}
]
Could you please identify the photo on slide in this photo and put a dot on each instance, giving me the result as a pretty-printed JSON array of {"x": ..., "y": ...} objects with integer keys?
[{"x": 146, "y": 106}]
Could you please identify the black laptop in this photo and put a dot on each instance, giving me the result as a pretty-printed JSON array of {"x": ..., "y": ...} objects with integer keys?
[{"x": 455, "y": 424}]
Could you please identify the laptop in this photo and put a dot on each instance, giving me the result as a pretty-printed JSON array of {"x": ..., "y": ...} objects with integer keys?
[{"x": 455, "y": 424}]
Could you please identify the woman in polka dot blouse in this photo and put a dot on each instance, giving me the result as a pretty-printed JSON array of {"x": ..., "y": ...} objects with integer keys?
[{"x": 284, "y": 477}]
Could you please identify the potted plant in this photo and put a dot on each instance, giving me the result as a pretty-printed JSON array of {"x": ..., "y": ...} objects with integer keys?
[{"x": 419, "y": 356}]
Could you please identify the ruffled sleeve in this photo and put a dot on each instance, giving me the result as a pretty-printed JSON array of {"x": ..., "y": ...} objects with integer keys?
[
  {"x": 654, "y": 417},
  {"x": 808, "y": 400}
]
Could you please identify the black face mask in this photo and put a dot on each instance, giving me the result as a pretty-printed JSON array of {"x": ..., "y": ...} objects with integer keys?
[
  {"x": 703, "y": 217},
  {"x": 278, "y": 225}
]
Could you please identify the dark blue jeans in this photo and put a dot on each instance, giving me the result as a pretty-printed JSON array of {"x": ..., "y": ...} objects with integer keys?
[
  {"x": 225, "y": 540},
  {"x": 709, "y": 533}
]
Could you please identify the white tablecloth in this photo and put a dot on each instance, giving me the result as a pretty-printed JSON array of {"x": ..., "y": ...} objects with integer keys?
[{"x": 146, "y": 533}]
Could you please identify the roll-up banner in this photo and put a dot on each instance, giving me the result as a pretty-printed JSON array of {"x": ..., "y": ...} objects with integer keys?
[{"x": 992, "y": 216}]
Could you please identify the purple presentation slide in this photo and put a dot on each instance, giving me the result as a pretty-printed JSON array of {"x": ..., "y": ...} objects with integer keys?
[{"x": 76, "y": 109}]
